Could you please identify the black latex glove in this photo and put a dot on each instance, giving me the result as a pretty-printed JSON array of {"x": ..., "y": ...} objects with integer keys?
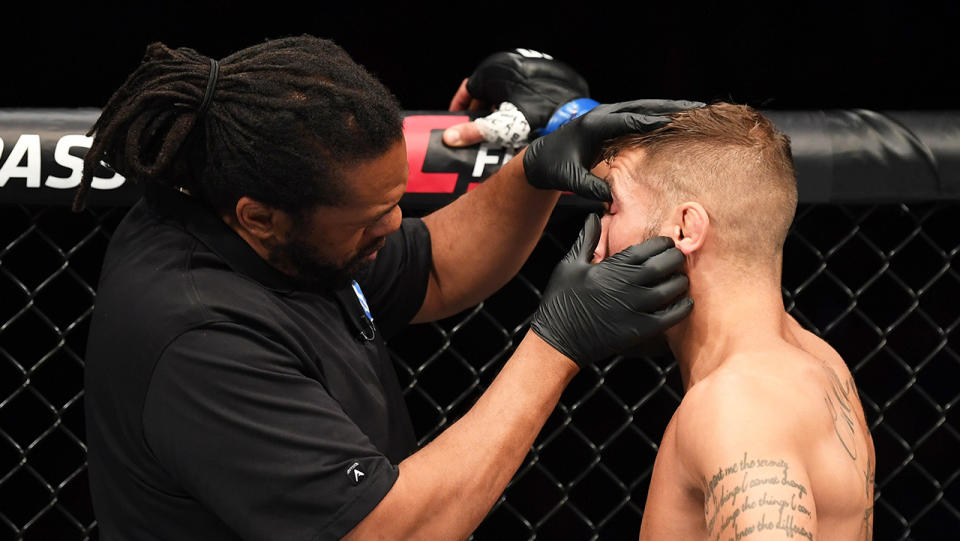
[
  {"x": 538, "y": 86},
  {"x": 561, "y": 160},
  {"x": 591, "y": 311}
]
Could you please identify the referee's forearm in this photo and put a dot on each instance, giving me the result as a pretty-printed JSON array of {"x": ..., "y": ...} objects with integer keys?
[
  {"x": 445, "y": 489},
  {"x": 480, "y": 240}
]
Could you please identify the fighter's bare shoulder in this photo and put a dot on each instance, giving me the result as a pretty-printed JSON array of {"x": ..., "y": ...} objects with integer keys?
[{"x": 752, "y": 397}]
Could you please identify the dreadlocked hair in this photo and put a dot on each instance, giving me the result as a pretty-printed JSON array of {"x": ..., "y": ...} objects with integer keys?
[{"x": 285, "y": 117}]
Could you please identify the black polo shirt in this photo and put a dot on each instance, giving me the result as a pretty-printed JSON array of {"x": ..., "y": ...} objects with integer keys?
[{"x": 223, "y": 402}]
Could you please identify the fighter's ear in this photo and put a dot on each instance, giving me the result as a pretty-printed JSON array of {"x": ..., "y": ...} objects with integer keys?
[{"x": 691, "y": 225}]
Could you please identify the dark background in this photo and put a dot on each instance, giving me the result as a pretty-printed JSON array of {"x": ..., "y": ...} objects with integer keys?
[
  {"x": 792, "y": 55},
  {"x": 877, "y": 281}
]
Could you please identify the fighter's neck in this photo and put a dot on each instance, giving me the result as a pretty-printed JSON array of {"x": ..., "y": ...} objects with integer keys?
[{"x": 727, "y": 318}]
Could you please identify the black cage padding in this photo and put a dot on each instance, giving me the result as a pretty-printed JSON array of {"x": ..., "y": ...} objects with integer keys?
[{"x": 841, "y": 156}]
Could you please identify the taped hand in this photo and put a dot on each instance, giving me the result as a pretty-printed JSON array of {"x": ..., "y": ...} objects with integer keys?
[{"x": 528, "y": 87}]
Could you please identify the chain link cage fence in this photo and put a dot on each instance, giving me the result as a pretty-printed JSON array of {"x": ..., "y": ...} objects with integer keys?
[{"x": 877, "y": 282}]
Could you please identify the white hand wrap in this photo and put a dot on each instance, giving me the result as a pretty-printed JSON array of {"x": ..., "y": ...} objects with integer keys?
[{"x": 505, "y": 127}]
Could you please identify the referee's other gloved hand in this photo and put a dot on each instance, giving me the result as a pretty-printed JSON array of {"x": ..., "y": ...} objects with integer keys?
[
  {"x": 561, "y": 160},
  {"x": 591, "y": 311},
  {"x": 531, "y": 94}
]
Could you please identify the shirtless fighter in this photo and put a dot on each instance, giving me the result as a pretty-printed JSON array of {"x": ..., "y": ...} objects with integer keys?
[{"x": 770, "y": 440}]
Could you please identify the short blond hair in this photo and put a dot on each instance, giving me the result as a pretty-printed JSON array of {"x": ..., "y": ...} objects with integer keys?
[{"x": 733, "y": 161}]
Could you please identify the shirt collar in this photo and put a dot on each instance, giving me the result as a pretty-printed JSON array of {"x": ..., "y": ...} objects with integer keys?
[{"x": 203, "y": 222}]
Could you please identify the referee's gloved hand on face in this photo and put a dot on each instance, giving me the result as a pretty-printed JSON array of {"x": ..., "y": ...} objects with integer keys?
[
  {"x": 591, "y": 311},
  {"x": 561, "y": 160},
  {"x": 528, "y": 88}
]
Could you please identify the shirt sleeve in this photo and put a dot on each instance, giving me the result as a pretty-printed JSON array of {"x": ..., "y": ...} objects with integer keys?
[
  {"x": 396, "y": 284},
  {"x": 231, "y": 417}
]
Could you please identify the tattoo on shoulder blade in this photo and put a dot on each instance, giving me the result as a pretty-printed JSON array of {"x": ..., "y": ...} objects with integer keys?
[
  {"x": 841, "y": 410},
  {"x": 746, "y": 486}
]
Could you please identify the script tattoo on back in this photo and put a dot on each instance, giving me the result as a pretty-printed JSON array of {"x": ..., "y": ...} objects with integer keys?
[
  {"x": 756, "y": 485},
  {"x": 839, "y": 404},
  {"x": 869, "y": 479},
  {"x": 839, "y": 399}
]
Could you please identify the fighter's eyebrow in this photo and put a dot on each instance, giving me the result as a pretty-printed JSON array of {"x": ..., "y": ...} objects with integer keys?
[
  {"x": 608, "y": 179},
  {"x": 611, "y": 179},
  {"x": 609, "y": 182}
]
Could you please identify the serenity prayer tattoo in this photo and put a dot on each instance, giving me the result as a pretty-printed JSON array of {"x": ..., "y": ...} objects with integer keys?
[{"x": 755, "y": 495}]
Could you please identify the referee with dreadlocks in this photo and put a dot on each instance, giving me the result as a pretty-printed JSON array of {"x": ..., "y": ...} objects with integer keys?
[{"x": 237, "y": 381}]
